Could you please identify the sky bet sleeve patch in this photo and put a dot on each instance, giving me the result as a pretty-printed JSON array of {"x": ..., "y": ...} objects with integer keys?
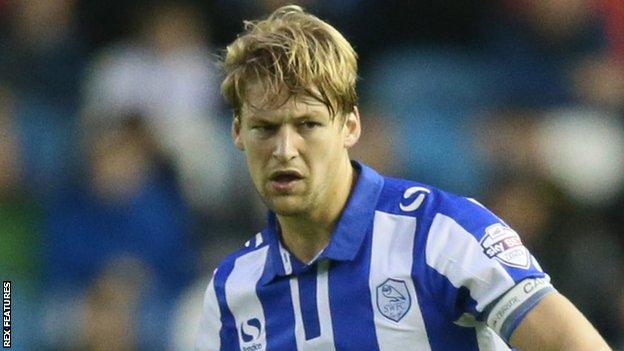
[{"x": 504, "y": 244}]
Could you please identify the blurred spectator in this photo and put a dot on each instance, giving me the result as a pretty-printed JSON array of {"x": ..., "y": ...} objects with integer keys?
[
  {"x": 594, "y": 261},
  {"x": 556, "y": 177},
  {"x": 167, "y": 74},
  {"x": 19, "y": 215},
  {"x": 20, "y": 228},
  {"x": 369, "y": 149},
  {"x": 565, "y": 145},
  {"x": 41, "y": 56},
  {"x": 42, "y": 50},
  {"x": 431, "y": 96},
  {"x": 126, "y": 206},
  {"x": 582, "y": 150},
  {"x": 572, "y": 244},
  {"x": 529, "y": 205},
  {"x": 599, "y": 82},
  {"x": 507, "y": 138},
  {"x": 533, "y": 46},
  {"x": 613, "y": 18},
  {"x": 111, "y": 306}
]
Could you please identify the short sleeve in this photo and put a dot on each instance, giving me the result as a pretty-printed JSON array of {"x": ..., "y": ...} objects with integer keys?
[
  {"x": 208, "y": 338},
  {"x": 476, "y": 259}
]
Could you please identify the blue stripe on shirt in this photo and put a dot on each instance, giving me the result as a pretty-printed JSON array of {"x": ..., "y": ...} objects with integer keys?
[
  {"x": 228, "y": 333},
  {"x": 278, "y": 311},
  {"x": 443, "y": 334},
  {"x": 348, "y": 281},
  {"x": 307, "y": 300},
  {"x": 443, "y": 304}
]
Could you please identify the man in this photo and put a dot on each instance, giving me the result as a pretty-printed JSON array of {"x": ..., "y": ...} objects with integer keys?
[{"x": 351, "y": 260}]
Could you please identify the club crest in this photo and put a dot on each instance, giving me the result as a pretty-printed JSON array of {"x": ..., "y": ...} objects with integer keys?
[
  {"x": 503, "y": 244},
  {"x": 393, "y": 299}
]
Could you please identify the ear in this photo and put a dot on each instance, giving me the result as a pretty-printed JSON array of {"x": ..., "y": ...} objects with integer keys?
[
  {"x": 236, "y": 133},
  {"x": 352, "y": 128}
]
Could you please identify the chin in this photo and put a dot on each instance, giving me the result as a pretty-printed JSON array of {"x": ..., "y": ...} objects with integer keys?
[{"x": 286, "y": 205}]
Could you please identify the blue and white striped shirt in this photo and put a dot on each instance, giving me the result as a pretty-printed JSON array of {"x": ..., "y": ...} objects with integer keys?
[{"x": 408, "y": 267}]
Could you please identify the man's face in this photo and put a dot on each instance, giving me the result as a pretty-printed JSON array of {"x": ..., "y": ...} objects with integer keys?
[{"x": 296, "y": 153}]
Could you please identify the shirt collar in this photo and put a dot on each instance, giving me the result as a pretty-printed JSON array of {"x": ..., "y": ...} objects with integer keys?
[{"x": 348, "y": 234}]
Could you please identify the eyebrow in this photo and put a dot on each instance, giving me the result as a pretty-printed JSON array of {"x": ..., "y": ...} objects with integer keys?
[
  {"x": 258, "y": 119},
  {"x": 304, "y": 116}
]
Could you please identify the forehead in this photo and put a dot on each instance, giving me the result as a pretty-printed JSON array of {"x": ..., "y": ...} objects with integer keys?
[{"x": 259, "y": 103}]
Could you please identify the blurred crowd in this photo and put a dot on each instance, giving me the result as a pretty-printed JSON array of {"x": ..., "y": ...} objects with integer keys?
[{"x": 120, "y": 189}]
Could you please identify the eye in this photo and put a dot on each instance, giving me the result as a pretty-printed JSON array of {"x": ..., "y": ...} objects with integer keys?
[
  {"x": 310, "y": 124},
  {"x": 263, "y": 128}
]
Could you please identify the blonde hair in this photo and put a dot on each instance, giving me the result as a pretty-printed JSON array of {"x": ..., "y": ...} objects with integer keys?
[{"x": 291, "y": 50}]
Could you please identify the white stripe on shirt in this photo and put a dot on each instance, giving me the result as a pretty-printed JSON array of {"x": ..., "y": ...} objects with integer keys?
[
  {"x": 391, "y": 257},
  {"x": 242, "y": 299},
  {"x": 457, "y": 255}
]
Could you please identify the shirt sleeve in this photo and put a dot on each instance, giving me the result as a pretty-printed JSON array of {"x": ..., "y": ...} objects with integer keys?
[
  {"x": 480, "y": 268},
  {"x": 208, "y": 338}
]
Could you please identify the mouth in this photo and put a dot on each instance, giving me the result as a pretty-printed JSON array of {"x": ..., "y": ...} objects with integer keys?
[{"x": 285, "y": 180}]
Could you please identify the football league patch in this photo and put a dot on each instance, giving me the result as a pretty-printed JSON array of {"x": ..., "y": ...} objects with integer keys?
[{"x": 504, "y": 244}]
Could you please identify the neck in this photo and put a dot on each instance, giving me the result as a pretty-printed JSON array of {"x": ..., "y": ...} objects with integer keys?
[{"x": 307, "y": 234}]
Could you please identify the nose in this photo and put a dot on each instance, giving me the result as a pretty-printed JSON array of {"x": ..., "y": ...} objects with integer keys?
[{"x": 285, "y": 144}]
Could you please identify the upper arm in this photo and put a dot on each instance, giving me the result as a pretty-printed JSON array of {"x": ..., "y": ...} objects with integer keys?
[
  {"x": 473, "y": 249},
  {"x": 475, "y": 259},
  {"x": 555, "y": 324}
]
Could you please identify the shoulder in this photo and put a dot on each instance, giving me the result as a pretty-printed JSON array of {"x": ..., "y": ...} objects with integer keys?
[
  {"x": 439, "y": 215},
  {"x": 256, "y": 245},
  {"x": 423, "y": 201},
  {"x": 448, "y": 225}
]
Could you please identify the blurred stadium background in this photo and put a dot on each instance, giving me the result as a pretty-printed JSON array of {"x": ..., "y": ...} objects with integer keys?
[{"x": 120, "y": 189}]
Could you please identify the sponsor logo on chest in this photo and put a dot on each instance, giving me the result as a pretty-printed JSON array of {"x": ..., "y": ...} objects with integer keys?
[{"x": 250, "y": 332}]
